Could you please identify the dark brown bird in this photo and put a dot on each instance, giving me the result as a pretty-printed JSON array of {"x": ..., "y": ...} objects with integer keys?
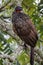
[{"x": 24, "y": 28}]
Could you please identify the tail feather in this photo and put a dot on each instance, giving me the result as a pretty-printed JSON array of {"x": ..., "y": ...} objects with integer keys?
[{"x": 32, "y": 56}]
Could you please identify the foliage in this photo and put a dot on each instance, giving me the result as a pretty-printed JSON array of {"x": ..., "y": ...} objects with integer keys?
[{"x": 32, "y": 8}]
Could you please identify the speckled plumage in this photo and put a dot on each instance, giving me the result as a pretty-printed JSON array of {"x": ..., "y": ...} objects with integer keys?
[{"x": 23, "y": 26}]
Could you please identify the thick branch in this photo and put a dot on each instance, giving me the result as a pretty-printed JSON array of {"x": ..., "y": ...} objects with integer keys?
[{"x": 4, "y": 56}]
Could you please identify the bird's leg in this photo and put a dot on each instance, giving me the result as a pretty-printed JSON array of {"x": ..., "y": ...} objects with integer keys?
[{"x": 25, "y": 47}]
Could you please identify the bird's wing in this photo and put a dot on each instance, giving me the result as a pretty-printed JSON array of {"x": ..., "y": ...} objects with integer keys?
[
  {"x": 22, "y": 24},
  {"x": 25, "y": 29},
  {"x": 30, "y": 23},
  {"x": 22, "y": 27}
]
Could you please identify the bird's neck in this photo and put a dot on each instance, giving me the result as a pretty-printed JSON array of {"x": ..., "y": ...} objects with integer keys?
[{"x": 17, "y": 11}]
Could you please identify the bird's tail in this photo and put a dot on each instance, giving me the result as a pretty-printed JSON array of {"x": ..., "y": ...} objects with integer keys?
[{"x": 32, "y": 56}]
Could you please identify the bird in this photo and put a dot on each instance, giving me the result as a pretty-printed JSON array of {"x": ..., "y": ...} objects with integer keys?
[{"x": 25, "y": 29}]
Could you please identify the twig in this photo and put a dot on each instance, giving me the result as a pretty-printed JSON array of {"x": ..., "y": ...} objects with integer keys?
[
  {"x": 5, "y": 5},
  {"x": 4, "y": 17}
]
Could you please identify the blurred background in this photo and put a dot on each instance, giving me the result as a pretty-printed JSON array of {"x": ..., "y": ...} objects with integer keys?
[{"x": 11, "y": 49}]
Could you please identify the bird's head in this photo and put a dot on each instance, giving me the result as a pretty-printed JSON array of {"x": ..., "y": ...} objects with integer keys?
[{"x": 18, "y": 9}]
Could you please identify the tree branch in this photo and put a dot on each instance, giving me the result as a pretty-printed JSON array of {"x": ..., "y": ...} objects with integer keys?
[
  {"x": 5, "y": 5},
  {"x": 15, "y": 54}
]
